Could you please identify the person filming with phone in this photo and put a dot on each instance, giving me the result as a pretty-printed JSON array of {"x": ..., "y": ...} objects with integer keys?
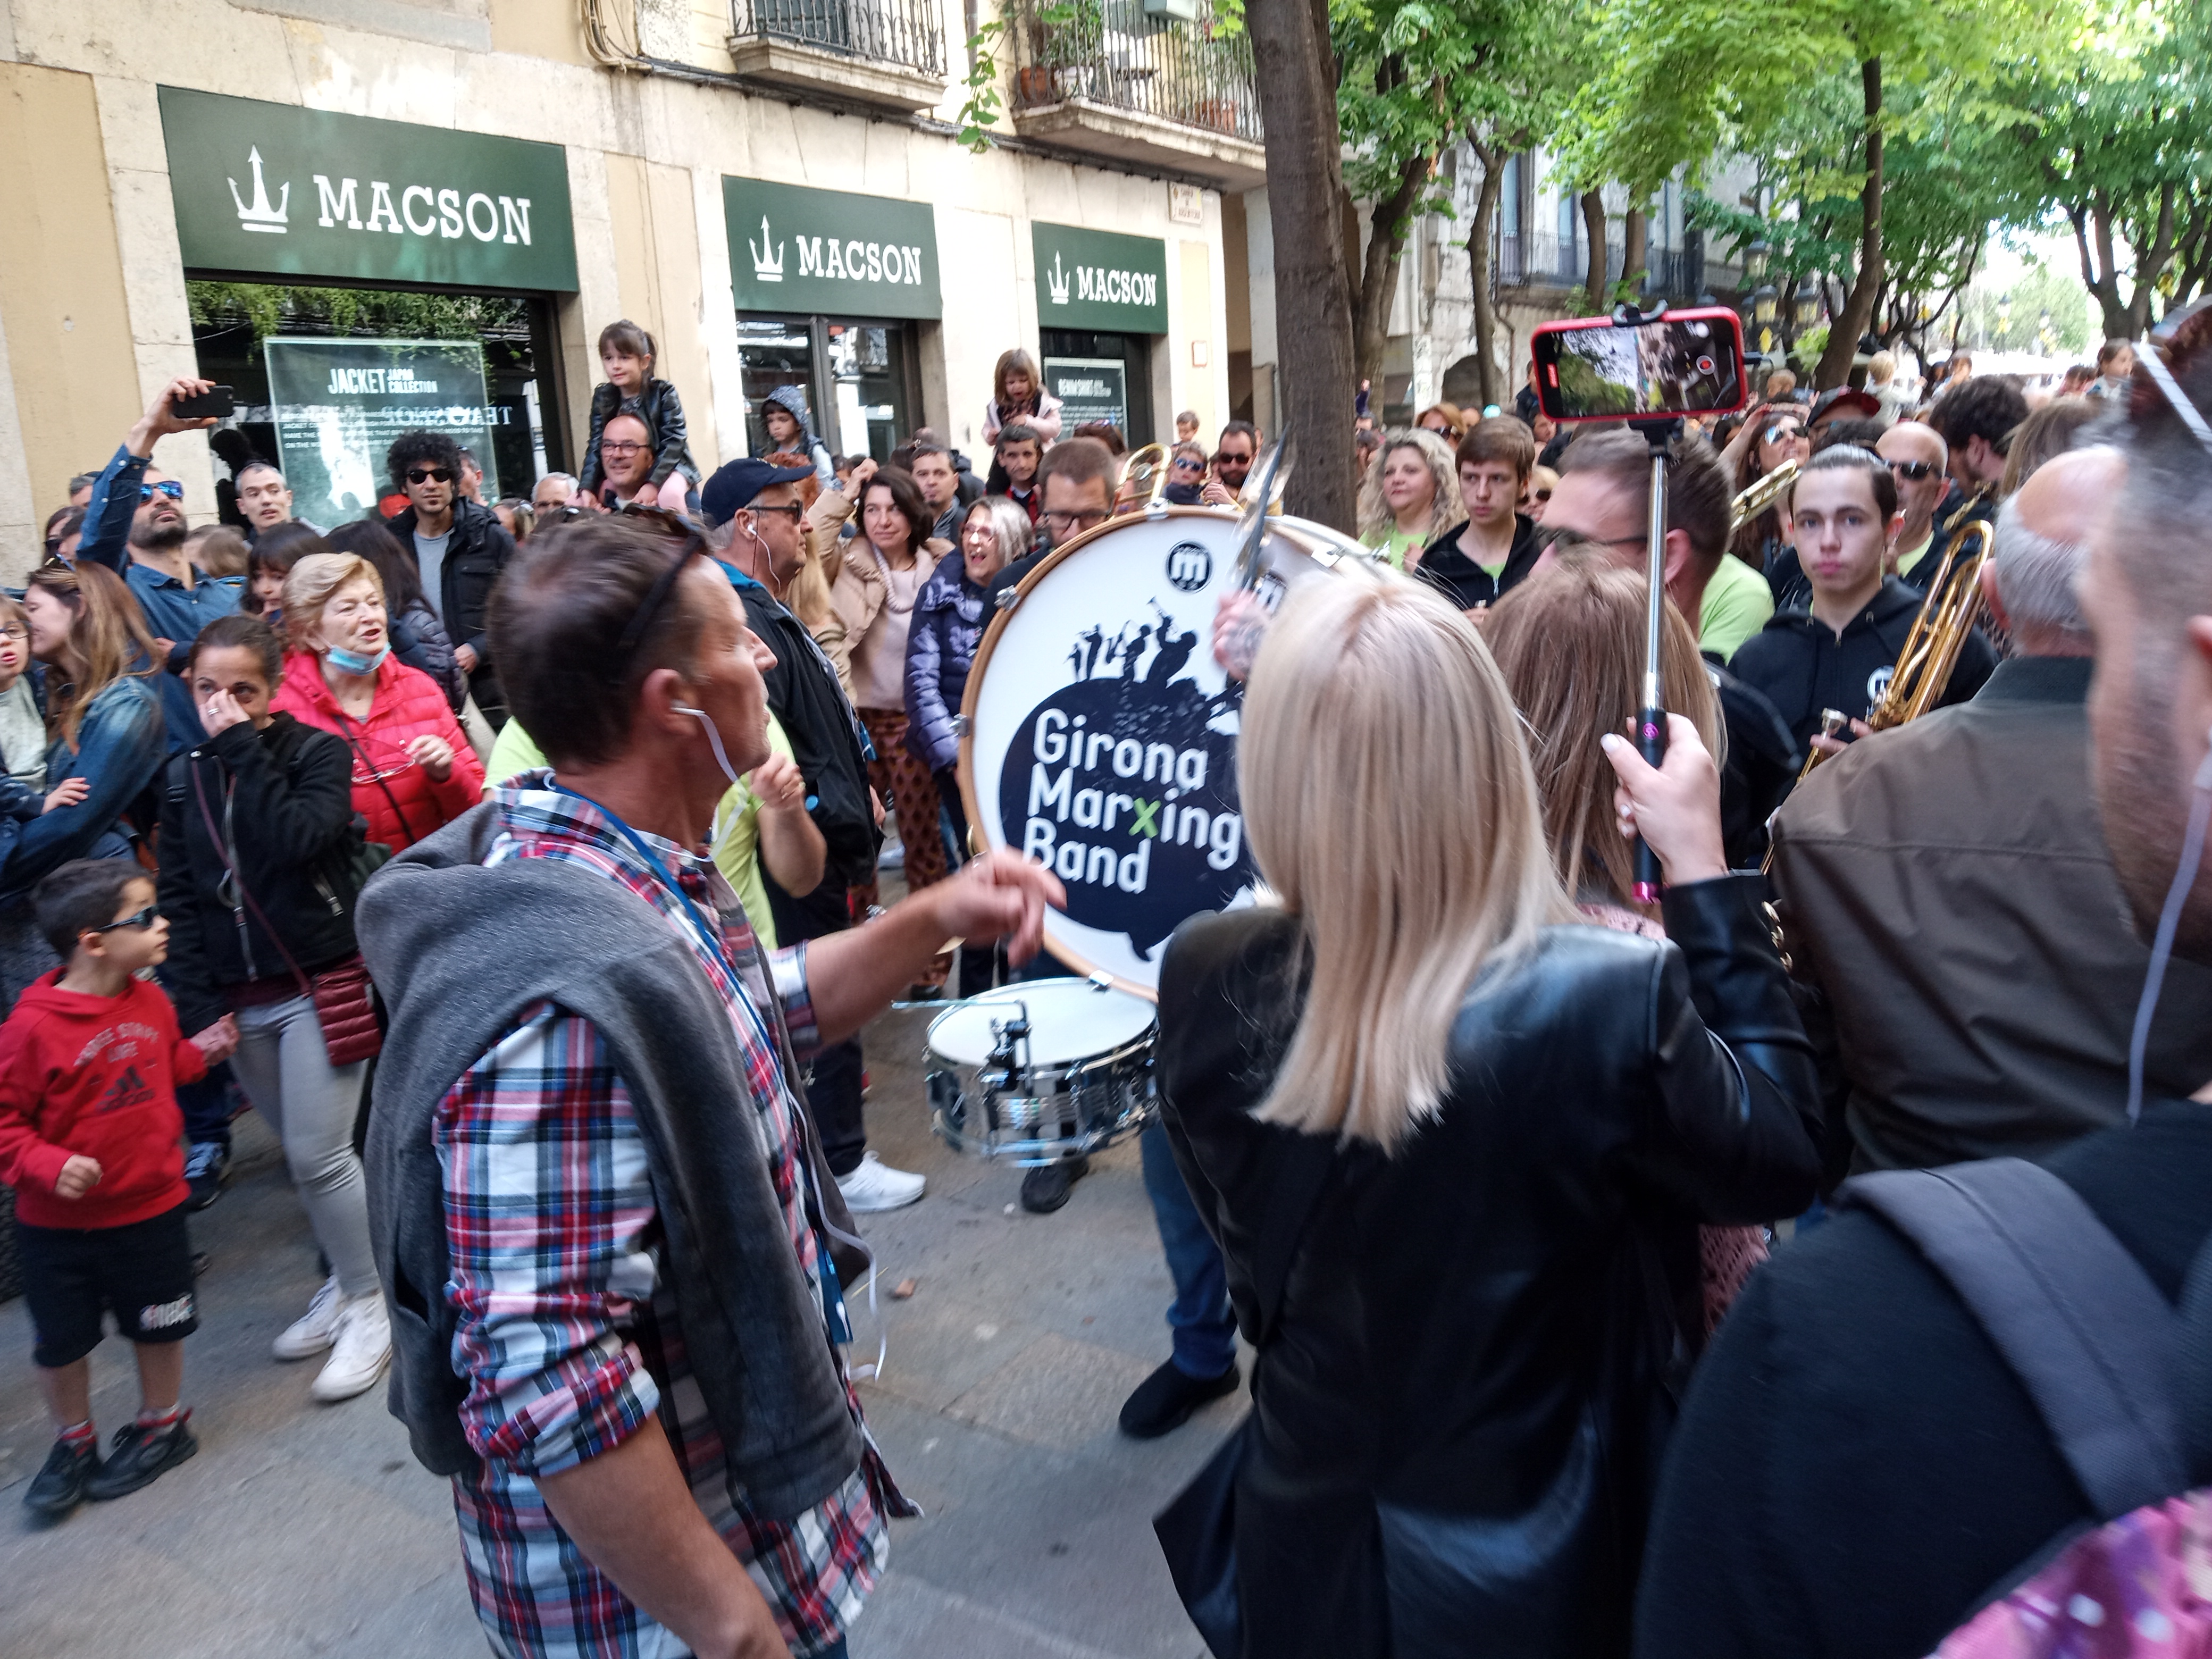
[{"x": 135, "y": 525}]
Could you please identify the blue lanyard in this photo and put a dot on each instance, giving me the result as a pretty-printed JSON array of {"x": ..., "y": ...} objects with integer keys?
[{"x": 711, "y": 936}]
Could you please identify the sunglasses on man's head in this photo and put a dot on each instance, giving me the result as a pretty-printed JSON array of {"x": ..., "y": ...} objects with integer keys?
[
  {"x": 173, "y": 488},
  {"x": 140, "y": 919},
  {"x": 1912, "y": 471},
  {"x": 431, "y": 474}
]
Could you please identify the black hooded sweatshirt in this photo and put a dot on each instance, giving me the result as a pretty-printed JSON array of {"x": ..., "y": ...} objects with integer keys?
[{"x": 1804, "y": 667}]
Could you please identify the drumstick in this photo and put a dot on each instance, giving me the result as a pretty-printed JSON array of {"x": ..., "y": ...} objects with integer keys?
[{"x": 1252, "y": 528}]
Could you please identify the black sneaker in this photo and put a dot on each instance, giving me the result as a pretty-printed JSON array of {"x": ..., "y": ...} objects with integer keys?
[
  {"x": 207, "y": 1166},
  {"x": 59, "y": 1487},
  {"x": 1044, "y": 1188},
  {"x": 1165, "y": 1399},
  {"x": 139, "y": 1456}
]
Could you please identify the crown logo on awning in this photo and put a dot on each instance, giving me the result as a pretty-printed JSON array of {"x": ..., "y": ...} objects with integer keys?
[
  {"x": 767, "y": 258},
  {"x": 1057, "y": 282},
  {"x": 259, "y": 216}
]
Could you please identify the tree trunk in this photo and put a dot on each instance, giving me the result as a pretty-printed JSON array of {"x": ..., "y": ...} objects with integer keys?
[
  {"x": 1844, "y": 329},
  {"x": 1635, "y": 251},
  {"x": 2103, "y": 288},
  {"x": 1296, "y": 75},
  {"x": 1378, "y": 275},
  {"x": 1596, "y": 288},
  {"x": 1477, "y": 266}
]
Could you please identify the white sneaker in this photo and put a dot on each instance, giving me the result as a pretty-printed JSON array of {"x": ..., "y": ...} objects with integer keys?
[
  {"x": 362, "y": 1351},
  {"x": 314, "y": 1330},
  {"x": 877, "y": 1185}
]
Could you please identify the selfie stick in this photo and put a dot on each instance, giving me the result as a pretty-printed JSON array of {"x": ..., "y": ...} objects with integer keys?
[{"x": 1651, "y": 720}]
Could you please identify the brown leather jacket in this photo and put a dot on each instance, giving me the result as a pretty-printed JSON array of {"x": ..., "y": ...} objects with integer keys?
[{"x": 1947, "y": 893}]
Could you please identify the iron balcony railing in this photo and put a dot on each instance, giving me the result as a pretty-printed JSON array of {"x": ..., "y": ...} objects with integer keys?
[
  {"x": 905, "y": 32},
  {"x": 1166, "y": 58}
]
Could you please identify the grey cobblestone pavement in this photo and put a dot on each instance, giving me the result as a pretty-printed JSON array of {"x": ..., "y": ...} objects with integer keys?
[{"x": 302, "y": 1528}]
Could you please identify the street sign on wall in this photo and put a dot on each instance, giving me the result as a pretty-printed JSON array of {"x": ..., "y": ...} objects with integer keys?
[
  {"x": 339, "y": 403},
  {"x": 278, "y": 190},
  {"x": 815, "y": 252},
  {"x": 1098, "y": 279}
]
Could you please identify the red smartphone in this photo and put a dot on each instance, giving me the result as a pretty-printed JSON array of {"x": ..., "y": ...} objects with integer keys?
[
  {"x": 218, "y": 402},
  {"x": 1684, "y": 362}
]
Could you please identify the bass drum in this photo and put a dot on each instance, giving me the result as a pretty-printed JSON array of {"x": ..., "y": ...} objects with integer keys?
[{"x": 1100, "y": 735}]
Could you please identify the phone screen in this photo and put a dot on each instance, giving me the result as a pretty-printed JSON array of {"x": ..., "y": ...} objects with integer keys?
[{"x": 1691, "y": 363}]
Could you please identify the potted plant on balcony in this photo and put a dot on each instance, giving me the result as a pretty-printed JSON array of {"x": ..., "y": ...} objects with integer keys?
[{"x": 1067, "y": 45}]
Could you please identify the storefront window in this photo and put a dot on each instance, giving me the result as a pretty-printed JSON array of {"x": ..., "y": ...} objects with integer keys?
[
  {"x": 1101, "y": 377},
  {"x": 326, "y": 377},
  {"x": 857, "y": 378}
]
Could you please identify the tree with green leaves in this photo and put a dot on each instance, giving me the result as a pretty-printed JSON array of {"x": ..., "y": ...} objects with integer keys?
[
  {"x": 2114, "y": 137},
  {"x": 1693, "y": 78}
]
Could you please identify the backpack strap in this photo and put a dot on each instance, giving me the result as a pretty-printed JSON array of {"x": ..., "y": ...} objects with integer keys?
[{"x": 2071, "y": 1311}]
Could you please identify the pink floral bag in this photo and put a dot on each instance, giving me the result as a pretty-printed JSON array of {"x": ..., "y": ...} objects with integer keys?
[{"x": 2138, "y": 1586}]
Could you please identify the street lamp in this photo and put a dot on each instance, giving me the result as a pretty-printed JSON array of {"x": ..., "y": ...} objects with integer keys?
[
  {"x": 1807, "y": 303},
  {"x": 1754, "y": 261},
  {"x": 1762, "y": 303}
]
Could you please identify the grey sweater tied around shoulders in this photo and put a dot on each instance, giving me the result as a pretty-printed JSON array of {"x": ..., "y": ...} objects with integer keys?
[{"x": 458, "y": 951}]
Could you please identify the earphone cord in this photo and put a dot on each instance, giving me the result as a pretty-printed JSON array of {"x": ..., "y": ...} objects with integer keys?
[
  {"x": 882, "y": 1335},
  {"x": 2169, "y": 923}
]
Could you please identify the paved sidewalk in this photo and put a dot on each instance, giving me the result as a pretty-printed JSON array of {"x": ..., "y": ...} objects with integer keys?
[{"x": 302, "y": 1528}]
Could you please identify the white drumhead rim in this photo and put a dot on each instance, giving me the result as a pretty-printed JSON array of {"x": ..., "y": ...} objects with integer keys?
[
  {"x": 994, "y": 629},
  {"x": 1070, "y": 1019}
]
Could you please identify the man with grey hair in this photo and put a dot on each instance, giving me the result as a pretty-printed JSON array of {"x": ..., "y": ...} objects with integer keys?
[
  {"x": 554, "y": 491},
  {"x": 1947, "y": 892}
]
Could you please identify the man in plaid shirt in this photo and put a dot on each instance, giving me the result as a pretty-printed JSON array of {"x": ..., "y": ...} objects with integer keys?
[{"x": 663, "y": 1453}]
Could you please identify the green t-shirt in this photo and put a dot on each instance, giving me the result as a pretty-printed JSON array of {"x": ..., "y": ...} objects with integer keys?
[
  {"x": 1737, "y": 604},
  {"x": 1394, "y": 544},
  {"x": 735, "y": 841}
]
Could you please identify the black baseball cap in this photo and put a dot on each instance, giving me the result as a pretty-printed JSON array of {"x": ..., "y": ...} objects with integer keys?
[{"x": 736, "y": 482}]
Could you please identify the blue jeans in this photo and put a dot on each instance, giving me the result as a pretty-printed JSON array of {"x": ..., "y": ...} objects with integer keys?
[{"x": 1200, "y": 1320}]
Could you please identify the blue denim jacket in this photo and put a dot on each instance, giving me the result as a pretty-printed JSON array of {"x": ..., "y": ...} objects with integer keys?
[
  {"x": 120, "y": 746},
  {"x": 173, "y": 611}
]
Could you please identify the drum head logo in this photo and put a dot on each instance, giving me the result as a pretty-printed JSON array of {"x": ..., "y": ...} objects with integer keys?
[
  {"x": 1190, "y": 566},
  {"x": 1125, "y": 782}
]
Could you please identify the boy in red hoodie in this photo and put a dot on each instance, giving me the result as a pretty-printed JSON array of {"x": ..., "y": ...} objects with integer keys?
[{"x": 90, "y": 1139}]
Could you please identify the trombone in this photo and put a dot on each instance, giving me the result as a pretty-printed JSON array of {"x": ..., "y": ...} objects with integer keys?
[
  {"x": 1931, "y": 648},
  {"x": 1755, "y": 500},
  {"x": 1144, "y": 480}
]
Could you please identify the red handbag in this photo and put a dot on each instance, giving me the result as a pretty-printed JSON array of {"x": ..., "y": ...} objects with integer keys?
[{"x": 345, "y": 996}]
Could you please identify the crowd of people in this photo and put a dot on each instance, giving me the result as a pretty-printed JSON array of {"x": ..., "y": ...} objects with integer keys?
[{"x": 518, "y": 863}]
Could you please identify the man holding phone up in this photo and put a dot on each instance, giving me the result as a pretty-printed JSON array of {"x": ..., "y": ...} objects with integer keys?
[{"x": 135, "y": 525}]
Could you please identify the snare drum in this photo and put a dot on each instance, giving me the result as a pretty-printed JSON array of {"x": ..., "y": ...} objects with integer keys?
[{"x": 1041, "y": 1072}]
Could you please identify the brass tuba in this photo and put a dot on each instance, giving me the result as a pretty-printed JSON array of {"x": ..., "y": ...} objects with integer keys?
[{"x": 1759, "y": 496}]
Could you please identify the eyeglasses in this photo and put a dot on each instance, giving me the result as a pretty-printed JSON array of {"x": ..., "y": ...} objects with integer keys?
[
  {"x": 792, "y": 509},
  {"x": 173, "y": 488},
  {"x": 607, "y": 447},
  {"x": 1184, "y": 464},
  {"x": 140, "y": 919},
  {"x": 1777, "y": 433},
  {"x": 1913, "y": 472},
  {"x": 1062, "y": 523},
  {"x": 430, "y": 474},
  {"x": 13, "y": 631}
]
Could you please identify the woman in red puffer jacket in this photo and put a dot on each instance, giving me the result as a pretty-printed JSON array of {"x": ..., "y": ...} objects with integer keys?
[{"x": 413, "y": 770}]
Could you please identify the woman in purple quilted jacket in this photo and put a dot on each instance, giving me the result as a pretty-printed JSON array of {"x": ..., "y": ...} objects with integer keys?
[{"x": 950, "y": 616}]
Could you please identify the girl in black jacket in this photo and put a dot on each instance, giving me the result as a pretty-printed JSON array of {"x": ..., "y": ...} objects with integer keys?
[
  {"x": 1454, "y": 1148},
  {"x": 258, "y": 835}
]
